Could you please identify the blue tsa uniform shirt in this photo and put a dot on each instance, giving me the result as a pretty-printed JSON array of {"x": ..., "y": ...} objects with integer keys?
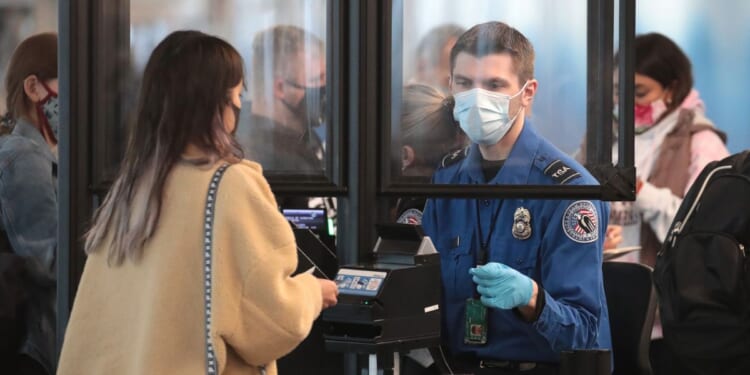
[{"x": 557, "y": 243}]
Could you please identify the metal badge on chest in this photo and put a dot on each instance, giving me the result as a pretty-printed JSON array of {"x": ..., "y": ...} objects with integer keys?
[{"x": 521, "y": 223}]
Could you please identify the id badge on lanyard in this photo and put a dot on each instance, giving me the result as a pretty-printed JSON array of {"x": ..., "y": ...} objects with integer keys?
[
  {"x": 475, "y": 317},
  {"x": 475, "y": 322}
]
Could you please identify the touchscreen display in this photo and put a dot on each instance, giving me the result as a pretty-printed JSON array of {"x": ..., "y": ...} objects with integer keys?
[
  {"x": 360, "y": 282},
  {"x": 313, "y": 219}
]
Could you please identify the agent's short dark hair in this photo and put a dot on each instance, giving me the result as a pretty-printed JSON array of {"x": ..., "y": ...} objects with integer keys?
[
  {"x": 494, "y": 38},
  {"x": 660, "y": 59}
]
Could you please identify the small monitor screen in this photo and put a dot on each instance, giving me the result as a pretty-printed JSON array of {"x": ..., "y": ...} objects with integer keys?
[
  {"x": 360, "y": 282},
  {"x": 313, "y": 219}
]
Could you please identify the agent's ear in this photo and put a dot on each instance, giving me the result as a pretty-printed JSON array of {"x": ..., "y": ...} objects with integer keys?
[
  {"x": 529, "y": 92},
  {"x": 278, "y": 88},
  {"x": 31, "y": 88},
  {"x": 407, "y": 157}
]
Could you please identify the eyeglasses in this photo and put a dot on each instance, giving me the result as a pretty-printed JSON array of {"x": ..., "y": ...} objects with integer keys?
[
  {"x": 295, "y": 84},
  {"x": 301, "y": 86}
]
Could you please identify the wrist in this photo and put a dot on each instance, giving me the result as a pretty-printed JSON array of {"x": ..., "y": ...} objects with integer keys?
[
  {"x": 529, "y": 312},
  {"x": 534, "y": 294}
]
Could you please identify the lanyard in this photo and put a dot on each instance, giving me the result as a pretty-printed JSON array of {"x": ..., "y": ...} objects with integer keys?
[{"x": 484, "y": 243}]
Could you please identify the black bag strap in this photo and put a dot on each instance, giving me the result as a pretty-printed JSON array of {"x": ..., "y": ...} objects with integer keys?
[{"x": 208, "y": 226}]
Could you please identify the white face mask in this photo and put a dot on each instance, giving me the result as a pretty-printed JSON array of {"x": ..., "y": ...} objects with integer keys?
[{"x": 483, "y": 115}]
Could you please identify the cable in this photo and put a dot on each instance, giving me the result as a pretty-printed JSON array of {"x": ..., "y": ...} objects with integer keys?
[{"x": 445, "y": 361}]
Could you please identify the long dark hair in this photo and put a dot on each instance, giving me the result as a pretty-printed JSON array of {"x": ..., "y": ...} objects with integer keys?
[
  {"x": 36, "y": 55},
  {"x": 184, "y": 90}
]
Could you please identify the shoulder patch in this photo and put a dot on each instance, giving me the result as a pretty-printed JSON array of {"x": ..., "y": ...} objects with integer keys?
[
  {"x": 560, "y": 172},
  {"x": 454, "y": 157},
  {"x": 411, "y": 216},
  {"x": 580, "y": 222}
]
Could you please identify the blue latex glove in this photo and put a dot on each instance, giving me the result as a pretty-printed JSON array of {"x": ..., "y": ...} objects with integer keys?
[{"x": 502, "y": 287}]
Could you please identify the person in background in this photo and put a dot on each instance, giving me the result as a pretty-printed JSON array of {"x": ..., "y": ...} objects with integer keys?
[
  {"x": 674, "y": 141},
  {"x": 428, "y": 133},
  {"x": 28, "y": 199},
  {"x": 284, "y": 130},
  {"x": 522, "y": 278},
  {"x": 433, "y": 56},
  {"x": 140, "y": 305},
  {"x": 287, "y": 93}
]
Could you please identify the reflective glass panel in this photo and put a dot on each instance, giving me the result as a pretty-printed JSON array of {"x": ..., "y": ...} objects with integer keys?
[
  {"x": 283, "y": 122},
  {"x": 540, "y": 82}
]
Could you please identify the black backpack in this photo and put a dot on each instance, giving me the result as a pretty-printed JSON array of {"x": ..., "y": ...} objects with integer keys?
[{"x": 702, "y": 276}]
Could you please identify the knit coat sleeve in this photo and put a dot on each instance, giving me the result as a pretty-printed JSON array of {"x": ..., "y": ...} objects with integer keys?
[{"x": 266, "y": 311}]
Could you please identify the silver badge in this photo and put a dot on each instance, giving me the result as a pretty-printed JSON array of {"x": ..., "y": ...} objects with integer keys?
[{"x": 521, "y": 224}]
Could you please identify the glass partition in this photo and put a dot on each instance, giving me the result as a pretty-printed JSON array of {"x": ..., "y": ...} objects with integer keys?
[
  {"x": 431, "y": 28},
  {"x": 549, "y": 87},
  {"x": 283, "y": 122}
]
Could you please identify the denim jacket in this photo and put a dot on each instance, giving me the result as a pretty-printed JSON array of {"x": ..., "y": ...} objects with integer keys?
[{"x": 28, "y": 216}]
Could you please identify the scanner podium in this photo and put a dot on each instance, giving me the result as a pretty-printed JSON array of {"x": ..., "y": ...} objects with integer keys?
[{"x": 391, "y": 304}]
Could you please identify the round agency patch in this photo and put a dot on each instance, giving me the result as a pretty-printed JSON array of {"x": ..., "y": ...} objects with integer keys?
[
  {"x": 580, "y": 222},
  {"x": 411, "y": 216}
]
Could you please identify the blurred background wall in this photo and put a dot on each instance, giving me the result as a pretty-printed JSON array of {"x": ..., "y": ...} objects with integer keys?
[{"x": 715, "y": 35}]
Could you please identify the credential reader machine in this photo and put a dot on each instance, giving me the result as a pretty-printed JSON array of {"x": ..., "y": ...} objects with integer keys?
[{"x": 391, "y": 304}]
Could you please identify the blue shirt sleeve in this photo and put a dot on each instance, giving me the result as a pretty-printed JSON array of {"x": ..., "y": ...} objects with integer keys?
[
  {"x": 28, "y": 205},
  {"x": 572, "y": 279},
  {"x": 429, "y": 223}
]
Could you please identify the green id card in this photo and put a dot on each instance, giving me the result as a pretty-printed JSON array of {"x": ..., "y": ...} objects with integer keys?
[{"x": 476, "y": 322}]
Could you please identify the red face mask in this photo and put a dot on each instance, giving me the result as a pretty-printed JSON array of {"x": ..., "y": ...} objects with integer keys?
[{"x": 645, "y": 115}]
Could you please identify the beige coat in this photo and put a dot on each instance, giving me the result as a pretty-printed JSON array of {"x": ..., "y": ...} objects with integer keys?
[{"x": 147, "y": 317}]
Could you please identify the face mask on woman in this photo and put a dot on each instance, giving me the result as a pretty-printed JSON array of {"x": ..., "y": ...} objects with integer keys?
[
  {"x": 48, "y": 111},
  {"x": 645, "y": 115},
  {"x": 483, "y": 115}
]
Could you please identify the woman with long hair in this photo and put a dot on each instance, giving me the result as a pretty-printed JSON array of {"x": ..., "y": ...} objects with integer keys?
[
  {"x": 153, "y": 299},
  {"x": 28, "y": 208}
]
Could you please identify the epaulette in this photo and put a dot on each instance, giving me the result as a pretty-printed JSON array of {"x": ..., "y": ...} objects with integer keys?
[
  {"x": 560, "y": 172},
  {"x": 454, "y": 157}
]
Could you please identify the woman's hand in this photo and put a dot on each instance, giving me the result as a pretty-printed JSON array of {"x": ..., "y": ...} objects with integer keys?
[
  {"x": 613, "y": 238},
  {"x": 330, "y": 292}
]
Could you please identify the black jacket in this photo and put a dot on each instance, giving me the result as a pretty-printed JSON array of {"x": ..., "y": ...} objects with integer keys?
[{"x": 279, "y": 149}]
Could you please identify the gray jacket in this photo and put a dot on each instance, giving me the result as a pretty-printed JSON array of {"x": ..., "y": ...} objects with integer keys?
[{"x": 28, "y": 216}]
